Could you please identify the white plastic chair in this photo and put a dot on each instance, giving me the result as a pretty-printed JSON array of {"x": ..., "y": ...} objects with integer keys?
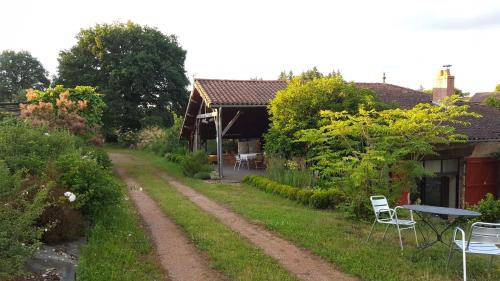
[
  {"x": 484, "y": 239},
  {"x": 381, "y": 207}
]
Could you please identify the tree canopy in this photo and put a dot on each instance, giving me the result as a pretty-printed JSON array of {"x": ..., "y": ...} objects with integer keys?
[
  {"x": 298, "y": 107},
  {"x": 497, "y": 88},
  {"x": 20, "y": 71},
  {"x": 139, "y": 70}
]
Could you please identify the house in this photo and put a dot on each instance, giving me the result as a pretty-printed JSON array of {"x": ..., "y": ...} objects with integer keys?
[{"x": 237, "y": 109}]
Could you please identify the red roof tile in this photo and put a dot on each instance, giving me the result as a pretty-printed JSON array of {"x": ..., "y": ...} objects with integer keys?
[{"x": 238, "y": 92}]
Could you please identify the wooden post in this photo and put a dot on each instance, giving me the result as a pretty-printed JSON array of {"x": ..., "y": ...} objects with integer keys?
[
  {"x": 196, "y": 141},
  {"x": 218, "y": 130}
]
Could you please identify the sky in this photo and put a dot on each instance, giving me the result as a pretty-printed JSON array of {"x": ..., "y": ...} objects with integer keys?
[{"x": 408, "y": 40}]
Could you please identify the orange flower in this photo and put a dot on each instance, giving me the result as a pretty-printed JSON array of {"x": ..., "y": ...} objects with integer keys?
[
  {"x": 82, "y": 104},
  {"x": 31, "y": 95},
  {"x": 64, "y": 95}
]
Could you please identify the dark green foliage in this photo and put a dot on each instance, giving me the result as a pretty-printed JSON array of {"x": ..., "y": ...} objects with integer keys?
[
  {"x": 314, "y": 197},
  {"x": 19, "y": 236},
  {"x": 93, "y": 185},
  {"x": 97, "y": 154},
  {"x": 489, "y": 209},
  {"x": 195, "y": 163},
  {"x": 18, "y": 72},
  {"x": 139, "y": 70},
  {"x": 202, "y": 175},
  {"x": 174, "y": 157},
  {"x": 36, "y": 169},
  {"x": 127, "y": 138},
  {"x": 22, "y": 147}
]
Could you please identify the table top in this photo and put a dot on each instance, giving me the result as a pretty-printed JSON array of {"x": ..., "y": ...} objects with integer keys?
[{"x": 441, "y": 210}]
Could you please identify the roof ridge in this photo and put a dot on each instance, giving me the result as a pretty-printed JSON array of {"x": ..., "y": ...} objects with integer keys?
[
  {"x": 393, "y": 85},
  {"x": 238, "y": 80}
]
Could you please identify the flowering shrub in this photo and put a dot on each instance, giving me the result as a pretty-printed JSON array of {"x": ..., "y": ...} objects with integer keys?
[
  {"x": 78, "y": 110},
  {"x": 37, "y": 168},
  {"x": 93, "y": 186}
]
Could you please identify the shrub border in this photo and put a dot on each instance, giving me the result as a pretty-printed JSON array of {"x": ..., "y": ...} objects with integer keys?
[{"x": 313, "y": 197}]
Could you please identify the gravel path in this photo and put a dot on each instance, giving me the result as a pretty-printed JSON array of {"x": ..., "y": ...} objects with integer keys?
[
  {"x": 304, "y": 264},
  {"x": 177, "y": 255}
]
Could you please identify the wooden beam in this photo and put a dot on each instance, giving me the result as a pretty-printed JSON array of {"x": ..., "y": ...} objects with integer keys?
[
  {"x": 218, "y": 129},
  {"x": 207, "y": 115},
  {"x": 231, "y": 123}
]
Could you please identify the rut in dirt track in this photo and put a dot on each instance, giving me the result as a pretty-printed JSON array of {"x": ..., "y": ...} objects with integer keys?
[
  {"x": 304, "y": 264},
  {"x": 178, "y": 257}
]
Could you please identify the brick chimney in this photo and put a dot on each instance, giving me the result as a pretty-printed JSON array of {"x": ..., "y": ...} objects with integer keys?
[{"x": 444, "y": 85}]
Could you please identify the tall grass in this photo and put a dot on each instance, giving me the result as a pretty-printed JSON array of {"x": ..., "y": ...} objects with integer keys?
[{"x": 290, "y": 172}]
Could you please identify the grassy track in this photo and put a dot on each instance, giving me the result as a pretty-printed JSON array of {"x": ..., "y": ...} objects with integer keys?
[
  {"x": 336, "y": 238},
  {"x": 118, "y": 249},
  {"x": 228, "y": 252}
]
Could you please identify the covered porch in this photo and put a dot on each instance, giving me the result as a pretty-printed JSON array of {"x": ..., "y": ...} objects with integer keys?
[{"x": 233, "y": 113}]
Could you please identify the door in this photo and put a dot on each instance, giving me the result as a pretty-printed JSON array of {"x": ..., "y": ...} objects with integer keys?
[{"x": 435, "y": 191}]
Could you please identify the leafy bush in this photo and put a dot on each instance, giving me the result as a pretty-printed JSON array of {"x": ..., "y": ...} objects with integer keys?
[
  {"x": 93, "y": 186},
  {"x": 173, "y": 157},
  {"x": 298, "y": 107},
  {"x": 127, "y": 139},
  {"x": 314, "y": 197},
  {"x": 202, "y": 175},
  {"x": 19, "y": 235},
  {"x": 22, "y": 147},
  {"x": 489, "y": 209},
  {"x": 97, "y": 154},
  {"x": 195, "y": 163}
]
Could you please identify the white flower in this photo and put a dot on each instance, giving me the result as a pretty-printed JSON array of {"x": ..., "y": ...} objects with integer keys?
[
  {"x": 70, "y": 195},
  {"x": 46, "y": 134}
]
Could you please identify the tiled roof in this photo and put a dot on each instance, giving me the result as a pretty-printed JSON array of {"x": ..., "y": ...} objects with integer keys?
[
  {"x": 480, "y": 97},
  {"x": 485, "y": 128},
  {"x": 399, "y": 96},
  {"x": 238, "y": 92}
]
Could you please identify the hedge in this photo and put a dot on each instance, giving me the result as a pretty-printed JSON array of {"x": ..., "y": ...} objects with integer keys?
[{"x": 316, "y": 198}]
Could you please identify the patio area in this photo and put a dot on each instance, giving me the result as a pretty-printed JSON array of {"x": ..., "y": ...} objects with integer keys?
[{"x": 235, "y": 176}]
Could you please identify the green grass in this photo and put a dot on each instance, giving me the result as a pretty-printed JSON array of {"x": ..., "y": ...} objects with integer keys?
[
  {"x": 118, "y": 248},
  {"x": 336, "y": 238},
  {"x": 228, "y": 251}
]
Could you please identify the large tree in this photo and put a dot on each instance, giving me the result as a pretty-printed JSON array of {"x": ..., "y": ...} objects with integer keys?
[
  {"x": 139, "y": 70},
  {"x": 20, "y": 71},
  {"x": 298, "y": 108}
]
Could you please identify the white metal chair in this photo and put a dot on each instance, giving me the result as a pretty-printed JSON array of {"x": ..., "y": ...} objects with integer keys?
[
  {"x": 237, "y": 162},
  {"x": 484, "y": 239},
  {"x": 388, "y": 216}
]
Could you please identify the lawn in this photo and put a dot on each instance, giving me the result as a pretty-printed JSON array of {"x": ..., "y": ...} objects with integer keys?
[
  {"x": 226, "y": 250},
  {"x": 335, "y": 237},
  {"x": 118, "y": 248}
]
